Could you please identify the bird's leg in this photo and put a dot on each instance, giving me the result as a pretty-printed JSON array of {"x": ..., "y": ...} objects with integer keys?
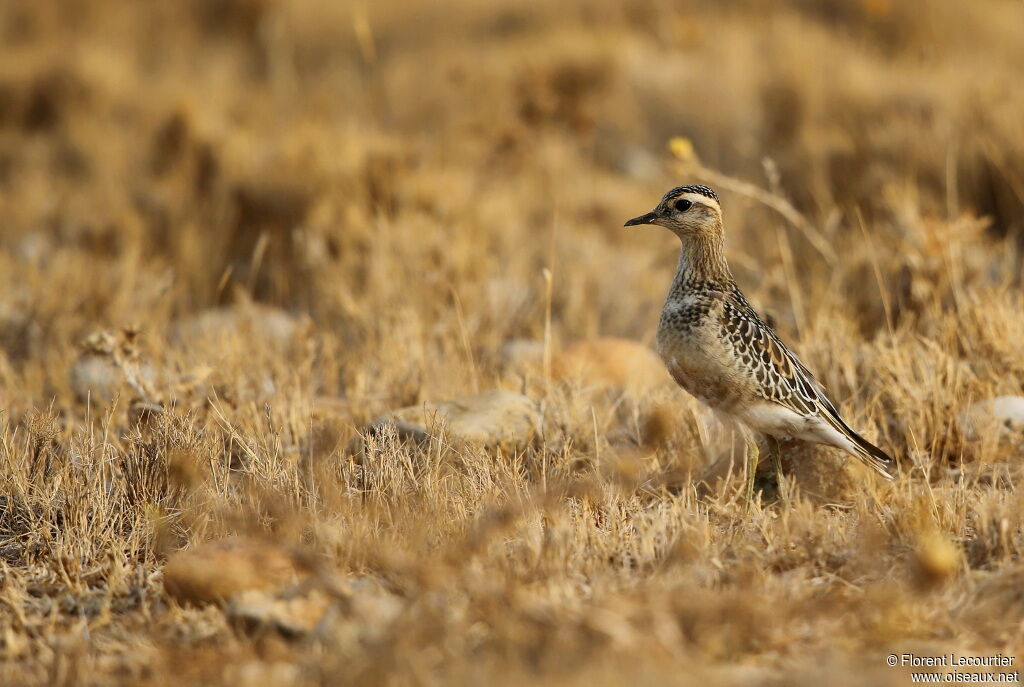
[
  {"x": 752, "y": 456},
  {"x": 776, "y": 451}
]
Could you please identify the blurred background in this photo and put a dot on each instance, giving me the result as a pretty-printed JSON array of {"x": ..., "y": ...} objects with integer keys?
[
  {"x": 309, "y": 152},
  {"x": 237, "y": 216}
]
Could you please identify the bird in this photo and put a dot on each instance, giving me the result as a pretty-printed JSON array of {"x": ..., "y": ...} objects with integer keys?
[{"x": 718, "y": 349}]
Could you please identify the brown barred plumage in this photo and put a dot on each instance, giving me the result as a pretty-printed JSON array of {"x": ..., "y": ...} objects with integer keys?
[{"x": 717, "y": 348}]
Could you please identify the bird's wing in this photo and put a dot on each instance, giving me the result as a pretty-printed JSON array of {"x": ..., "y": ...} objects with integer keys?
[
  {"x": 781, "y": 377},
  {"x": 779, "y": 374}
]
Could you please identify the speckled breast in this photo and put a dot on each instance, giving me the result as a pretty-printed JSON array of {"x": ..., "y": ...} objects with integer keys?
[{"x": 688, "y": 341}]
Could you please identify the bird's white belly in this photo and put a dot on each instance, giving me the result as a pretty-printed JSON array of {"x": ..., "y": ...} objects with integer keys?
[
  {"x": 774, "y": 419},
  {"x": 779, "y": 421},
  {"x": 701, "y": 376}
]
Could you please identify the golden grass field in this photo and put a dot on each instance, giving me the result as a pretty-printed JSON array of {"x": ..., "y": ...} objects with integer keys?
[{"x": 234, "y": 232}]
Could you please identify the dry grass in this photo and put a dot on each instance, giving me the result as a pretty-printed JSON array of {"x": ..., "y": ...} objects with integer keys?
[{"x": 403, "y": 175}]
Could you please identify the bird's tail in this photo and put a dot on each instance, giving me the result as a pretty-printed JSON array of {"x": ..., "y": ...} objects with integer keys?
[
  {"x": 869, "y": 454},
  {"x": 872, "y": 456}
]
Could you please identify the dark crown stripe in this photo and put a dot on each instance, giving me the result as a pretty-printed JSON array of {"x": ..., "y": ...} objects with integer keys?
[{"x": 694, "y": 188}]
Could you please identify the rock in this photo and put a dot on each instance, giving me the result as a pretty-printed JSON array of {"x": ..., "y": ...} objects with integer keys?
[
  {"x": 261, "y": 586},
  {"x": 613, "y": 362},
  {"x": 1004, "y": 415},
  {"x": 215, "y": 571},
  {"x": 361, "y": 603},
  {"x": 109, "y": 365},
  {"x": 522, "y": 355},
  {"x": 596, "y": 363},
  {"x": 294, "y": 617},
  {"x": 244, "y": 329},
  {"x": 96, "y": 378},
  {"x": 274, "y": 325},
  {"x": 492, "y": 418},
  {"x": 375, "y": 606}
]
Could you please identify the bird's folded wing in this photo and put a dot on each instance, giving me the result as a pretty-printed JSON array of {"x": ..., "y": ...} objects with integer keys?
[
  {"x": 780, "y": 377},
  {"x": 778, "y": 373}
]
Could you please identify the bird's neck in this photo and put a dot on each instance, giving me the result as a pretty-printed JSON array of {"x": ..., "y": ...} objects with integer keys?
[{"x": 701, "y": 260}]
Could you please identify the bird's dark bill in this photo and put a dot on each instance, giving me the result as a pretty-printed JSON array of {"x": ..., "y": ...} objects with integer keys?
[{"x": 642, "y": 219}]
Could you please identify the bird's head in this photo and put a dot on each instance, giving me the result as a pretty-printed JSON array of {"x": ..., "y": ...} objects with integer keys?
[{"x": 687, "y": 211}]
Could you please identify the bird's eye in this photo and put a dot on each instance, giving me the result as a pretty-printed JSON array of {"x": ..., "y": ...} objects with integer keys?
[{"x": 682, "y": 205}]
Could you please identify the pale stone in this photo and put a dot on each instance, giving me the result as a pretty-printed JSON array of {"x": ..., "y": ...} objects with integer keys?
[
  {"x": 294, "y": 617},
  {"x": 1004, "y": 415},
  {"x": 215, "y": 571},
  {"x": 490, "y": 418},
  {"x": 611, "y": 362},
  {"x": 265, "y": 322}
]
